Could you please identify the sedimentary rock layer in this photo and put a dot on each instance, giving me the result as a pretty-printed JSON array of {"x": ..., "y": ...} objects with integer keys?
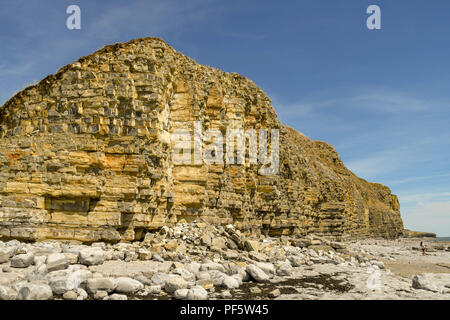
[{"x": 86, "y": 154}]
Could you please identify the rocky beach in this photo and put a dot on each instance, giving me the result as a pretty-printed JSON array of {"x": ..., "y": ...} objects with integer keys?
[
  {"x": 199, "y": 261},
  {"x": 95, "y": 203}
]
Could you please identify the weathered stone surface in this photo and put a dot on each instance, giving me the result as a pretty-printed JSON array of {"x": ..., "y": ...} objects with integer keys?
[
  {"x": 59, "y": 285},
  {"x": 205, "y": 283},
  {"x": 230, "y": 283},
  {"x": 117, "y": 296},
  {"x": 174, "y": 283},
  {"x": 130, "y": 269},
  {"x": 185, "y": 274},
  {"x": 197, "y": 293},
  {"x": 432, "y": 282},
  {"x": 91, "y": 256},
  {"x": 31, "y": 291},
  {"x": 57, "y": 261},
  {"x": 4, "y": 255},
  {"x": 285, "y": 269},
  {"x": 251, "y": 245},
  {"x": 160, "y": 278},
  {"x": 7, "y": 293},
  {"x": 85, "y": 154},
  {"x": 22, "y": 260},
  {"x": 181, "y": 294},
  {"x": 256, "y": 273},
  {"x": 103, "y": 284},
  {"x": 70, "y": 295},
  {"x": 275, "y": 293},
  {"x": 100, "y": 295},
  {"x": 128, "y": 285},
  {"x": 268, "y": 268}
]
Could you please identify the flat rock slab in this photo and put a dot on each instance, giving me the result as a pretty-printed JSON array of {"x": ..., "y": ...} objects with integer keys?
[
  {"x": 435, "y": 282},
  {"x": 10, "y": 277},
  {"x": 131, "y": 269}
]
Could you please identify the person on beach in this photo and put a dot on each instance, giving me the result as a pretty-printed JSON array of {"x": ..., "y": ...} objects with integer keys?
[{"x": 423, "y": 247}]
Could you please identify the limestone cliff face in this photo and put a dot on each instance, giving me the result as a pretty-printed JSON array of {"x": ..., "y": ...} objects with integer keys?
[{"x": 86, "y": 154}]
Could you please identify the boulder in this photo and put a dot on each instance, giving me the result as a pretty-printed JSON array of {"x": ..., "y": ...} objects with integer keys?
[
  {"x": 59, "y": 285},
  {"x": 193, "y": 267},
  {"x": 7, "y": 293},
  {"x": 256, "y": 273},
  {"x": 128, "y": 285},
  {"x": 4, "y": 256},
  {"x": 181, "y": 294},
  {"x": 31, "y": 291},
  {"x": 116, "y": 296},
  {"x": 160, "y": 278},
  {"x": 212, "y": 266},
  {"x": 206, "y": 284},
  {"x": 267, "y": 267},
  {"x": 104, "y": 284},
  {"x": 70, "y": 295},
  {"x": 296, "y": 261},
  {"x": 230, "y": 283},
  {"x": 186, "y": 275},
  {"x": 56, "y": 261},
  {"x": 75, "y": 278},
  {"x": 91, "y": 256},
  {"x": 217, "y": 277},
  {"x": 174, "y": 283},
  {"x": 258, "y": 256},
  {"x": 275, "y": 293},
  {"x": 251, "y": 245},
  {"x": 100, "y": 295},
  {"x": 22, "y": 260},
  {"x": 205, "y": 240},
  {"x": 435, "y": 282},
  {"x": 82, "y": 294},
  {"x": 197, "y": 293},
  {"x": 285, "y": 269}
]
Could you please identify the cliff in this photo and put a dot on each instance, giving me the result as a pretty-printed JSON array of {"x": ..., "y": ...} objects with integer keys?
[
  {"x": 417, "y": 234},
  {"x": 87, "y": 154}
]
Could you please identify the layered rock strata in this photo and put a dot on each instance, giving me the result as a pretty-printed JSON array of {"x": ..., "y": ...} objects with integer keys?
[{"x": 86, "y": 154}]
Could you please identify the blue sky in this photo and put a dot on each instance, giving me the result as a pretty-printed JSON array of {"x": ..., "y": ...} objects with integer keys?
[{"x": 381, "y": 97}]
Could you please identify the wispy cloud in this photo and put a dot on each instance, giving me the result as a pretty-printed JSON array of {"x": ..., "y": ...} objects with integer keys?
[
  {"x": 424, "y": 198},
  {"x": 429, "y": 216},
  {"x": 420, "y": 178},
  {"x": 153, "y": 17},
  {"x": 379, "y": 100},
  {"x": 53, "y": 46},
  {"x": 393, "y": 160},
  {"x": 392, "y": 137}
]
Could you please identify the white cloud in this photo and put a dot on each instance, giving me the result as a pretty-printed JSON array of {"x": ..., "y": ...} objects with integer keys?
[
  {"x": 366, "y": 99},
  {"x": 424, "y": 198},
  {"x": 154, "y": 17},
  {"x": 430, "y": 217},
  {"x": 416, "y": 179},
  {"x": 102, "y": 24}
]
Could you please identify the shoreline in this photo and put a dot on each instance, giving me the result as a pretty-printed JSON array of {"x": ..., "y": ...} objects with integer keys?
[{"x": 201, "y": 261}]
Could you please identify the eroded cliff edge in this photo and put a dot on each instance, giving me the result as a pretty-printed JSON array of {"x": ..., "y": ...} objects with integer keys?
[{"x": 85, "y": 154}]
